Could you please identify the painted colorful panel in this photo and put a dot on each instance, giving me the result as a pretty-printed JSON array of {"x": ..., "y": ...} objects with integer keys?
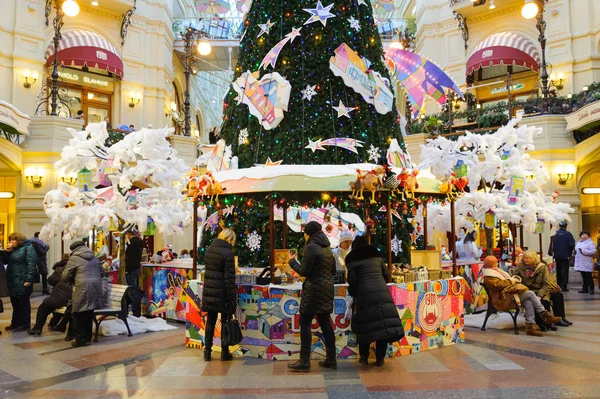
[
  {"x": 475, "y": 296},
  {"x": 431, "y": 312},
  {"x": 166, "y": 292}
]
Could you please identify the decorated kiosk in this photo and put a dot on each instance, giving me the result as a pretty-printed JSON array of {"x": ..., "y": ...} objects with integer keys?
[{"x": 289, "y": 196}]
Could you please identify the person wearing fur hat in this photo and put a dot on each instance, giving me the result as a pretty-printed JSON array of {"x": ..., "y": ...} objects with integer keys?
[
  {"x": 317, "y": 267},
  {"x": 342, "y": 251},
  {"x": 375, "y": 318}
]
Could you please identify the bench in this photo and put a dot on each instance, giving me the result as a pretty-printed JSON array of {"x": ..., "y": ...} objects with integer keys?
[
  {"x": 491, "y": 309},
  {"x": 116, "y": 306}
]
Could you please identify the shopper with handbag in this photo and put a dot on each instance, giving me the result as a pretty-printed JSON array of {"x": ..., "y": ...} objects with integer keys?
[
  {"x": 585, "y": 249},
  {"x": 218, "y": 294}
]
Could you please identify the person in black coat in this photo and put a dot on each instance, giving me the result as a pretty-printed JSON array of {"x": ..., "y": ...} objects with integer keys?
[
  {"x": 133, "y": 262},
  {"x": 562, "y": 245},
  {"x": 318, "y": 265},
  {"x": 59, "y": 297},
  {"x": 218, "y": 293},
  {"x": 375, "y": 318}
]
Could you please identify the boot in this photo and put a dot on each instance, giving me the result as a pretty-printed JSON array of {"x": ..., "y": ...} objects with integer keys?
[
  {"x": 567, "y": 321},
  {"x": 542, "y": 327},
  {"x": 45, "y": 291},
  {"x": 533, "y": 329},
  {"x": 583, "y": 291},
  {"x": 549, "y": 319},
  {"x": 563, "y": 323},
  {"x": 207, "y": 353},
  {"x": 303, "y": 364},
  {"x": 34, "y": 331},
  {"x": 330, "y": 361}
]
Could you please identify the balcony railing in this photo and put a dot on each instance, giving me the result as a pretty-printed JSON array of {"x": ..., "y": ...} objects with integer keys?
[{"x": 232, "y": 28}]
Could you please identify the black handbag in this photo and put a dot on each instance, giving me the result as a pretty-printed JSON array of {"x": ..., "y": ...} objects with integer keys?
[{"x": 231, "y": 332}]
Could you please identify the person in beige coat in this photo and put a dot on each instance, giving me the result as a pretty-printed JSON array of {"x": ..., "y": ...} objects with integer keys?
[{"x": 504, "y": 289}]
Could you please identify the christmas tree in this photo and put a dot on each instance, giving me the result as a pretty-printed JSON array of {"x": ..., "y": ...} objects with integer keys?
[{"x": 310, "y": 86}]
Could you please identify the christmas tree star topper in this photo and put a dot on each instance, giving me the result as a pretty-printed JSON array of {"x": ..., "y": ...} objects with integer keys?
[{"x": 320, "y": 14}]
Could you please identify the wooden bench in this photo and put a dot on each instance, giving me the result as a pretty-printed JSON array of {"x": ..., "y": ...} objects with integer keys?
[
  {"x": 116, "y": 306},
  {"x": 491, "y": 309}
]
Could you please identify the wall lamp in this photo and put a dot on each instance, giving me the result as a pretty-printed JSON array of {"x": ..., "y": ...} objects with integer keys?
[
  {"x": 34, "y": 175},
  {"x": 7, "y": 195},
  {"x": 28, "y": 74},
  {"x": 172, "y": 109},
  {"x": 134, "y": 98},
  {"x": 565, "y": 173},
  {"x": 70, "y": 178},
  {"x": 557, "y": 81}
]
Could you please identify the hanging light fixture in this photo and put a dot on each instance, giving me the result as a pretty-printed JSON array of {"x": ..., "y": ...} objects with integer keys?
[
  {"x": 204, "y": 47},
  {"x": 492, "y": 4},
  {"x": 530, "y": 9},
  {"x": 70, "y": 8}
]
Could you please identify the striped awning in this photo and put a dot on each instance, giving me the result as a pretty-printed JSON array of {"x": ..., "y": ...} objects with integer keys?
[
  {"x": 83, "y": 48},
  {"x": 504, "y": 48}
]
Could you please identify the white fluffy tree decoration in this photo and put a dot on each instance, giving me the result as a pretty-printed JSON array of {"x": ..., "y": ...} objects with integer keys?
[
  {"x": 492, "y": 160},
  {"x": 143, "y": 161}
]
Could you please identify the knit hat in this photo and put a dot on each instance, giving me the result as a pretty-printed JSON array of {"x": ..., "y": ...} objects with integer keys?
[
  {"x": 346, "y": 236},
  {"x": 359, "y": 241},
  {"x": 563, "y": 224},
  {"x": 312, "y": 227}
]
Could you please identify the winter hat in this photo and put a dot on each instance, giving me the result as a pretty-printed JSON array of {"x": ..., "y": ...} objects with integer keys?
[
  {"x": 345, "y": 236},
  {"x": 76, "y": 245},
  {"x": 359, "y": 241},
  {"x": 563, "y": 224},
  {"x": 312, "y": 228}
]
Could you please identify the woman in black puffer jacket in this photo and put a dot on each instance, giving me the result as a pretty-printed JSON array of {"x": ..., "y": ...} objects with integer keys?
[
  {"x": 318, "y": 264},
  {"x": 218, "y": 294},
  {"x": 376, "y": 317},
  {"x": 59, "y": 297}
]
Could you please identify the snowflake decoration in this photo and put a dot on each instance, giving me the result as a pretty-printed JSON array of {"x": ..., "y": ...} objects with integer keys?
[
  {"x": 396, "y": 245},
  {"x": 309, "y": 92},
  {"x": 243, "y": 136},
  {"x": 354, "y": 24},
  {"x": 373, "y": 153},
  {"x": 253, "y": 241}
]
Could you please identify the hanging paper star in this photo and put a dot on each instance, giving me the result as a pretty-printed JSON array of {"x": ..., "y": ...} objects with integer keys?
[
  {"x": 354, "y": 24},
  {"x": 315, "y": 145},
  {"x": 320, "y": 14},
  {"x": 265, "y": 28},
  {"x": 271, "y": 163},
  {"x": 273, "y": 54},
  {"x": 413, "y": 237},
  {"x": 396, "y": 245},
  {"x": 362, "y": 2},
  {"x": 373, "y": 153},
  {"x": 294, "y": 34},
  {"x": 309, "y": 92},
  {"x": 243, "y": 136},
  {"x": 342, "y": 110}
]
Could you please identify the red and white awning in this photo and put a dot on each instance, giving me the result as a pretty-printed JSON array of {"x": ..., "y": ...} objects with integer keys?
[
  {"x": 504, "y": 48},
  {"x": 84, "y": 48}
]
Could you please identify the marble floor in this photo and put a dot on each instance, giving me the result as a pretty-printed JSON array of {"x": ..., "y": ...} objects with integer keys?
[{"x": 491, "y": 364}]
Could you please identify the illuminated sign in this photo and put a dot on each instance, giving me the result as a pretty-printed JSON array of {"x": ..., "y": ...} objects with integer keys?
[
  {"x": 86, "y": 79},
  {"x": 515, "y": 87}
]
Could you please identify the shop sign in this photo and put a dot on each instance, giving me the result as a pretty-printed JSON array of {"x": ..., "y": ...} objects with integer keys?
[
  {"x": 86, "y": 79},
  {"x": 515, "y": 87},
  {"x": 12, "y": 117},
  {"x": 584, "y": 116}
]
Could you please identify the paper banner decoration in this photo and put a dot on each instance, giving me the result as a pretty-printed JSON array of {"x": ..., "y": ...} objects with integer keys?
[
  {"x": 355, "y": 72},
  {"x": 132, "y": 198},
  {"x": 213, "y": 6},
  {"x": 266, "y": 98},
  {"x": 84, "y": 180},
  {"x": 539, "y": 226},
  {"x": 151, "y": 228},
  {"x": 460, "y": 169},
  {"x": 490, "y": 220},
  {"x": 420, "y": 77},
  {"x": 342, "y": 142},
  {"x": 243, "y": 5},
  {"x": 104, "y": 171},
  {"x": 397, "y": 157},
  {"x": 273, "y": 54},
  {"x": 516, "y": 189}
]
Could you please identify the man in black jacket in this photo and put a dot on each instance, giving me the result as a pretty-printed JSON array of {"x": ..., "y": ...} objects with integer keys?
[
  {"x": 133, "y": 262},
  {"x": 318, "y": 264},
  {"x": 562, "y": 245}
]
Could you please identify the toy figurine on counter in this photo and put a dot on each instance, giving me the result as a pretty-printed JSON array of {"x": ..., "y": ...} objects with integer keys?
[{"x": 445, "y": 254}]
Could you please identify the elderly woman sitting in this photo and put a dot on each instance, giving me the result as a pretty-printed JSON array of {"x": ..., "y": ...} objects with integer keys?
[{"x": 535, "y": 276}]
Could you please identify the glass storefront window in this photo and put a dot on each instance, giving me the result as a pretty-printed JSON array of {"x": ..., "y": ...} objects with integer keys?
[
  {"x": 97, "y": 97},
  {"x": 96, "y": 115}
]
